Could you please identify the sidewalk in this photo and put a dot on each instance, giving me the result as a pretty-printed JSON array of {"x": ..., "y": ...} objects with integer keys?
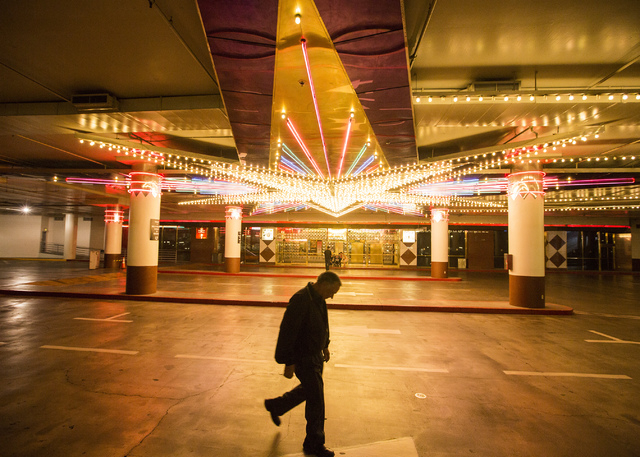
[{"x": 363, "y": 289}]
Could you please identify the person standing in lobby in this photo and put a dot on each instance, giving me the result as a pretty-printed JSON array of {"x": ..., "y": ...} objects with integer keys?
[
  {"x": 327, "y": 258},
  {"x": 303, "y": 347}
]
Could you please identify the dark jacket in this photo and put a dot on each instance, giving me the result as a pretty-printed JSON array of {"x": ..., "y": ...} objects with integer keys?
[{"x": 304, "y": 330}]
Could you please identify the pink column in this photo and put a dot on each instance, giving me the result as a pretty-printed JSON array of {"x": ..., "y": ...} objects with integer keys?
[
  {"x": 113, "y": 237},
  {"x": 232, "y": 238},
  {"x": 144, "y": 228},
  {"x": 526, "y": 237},
  {"x": 439, "y": 242}
]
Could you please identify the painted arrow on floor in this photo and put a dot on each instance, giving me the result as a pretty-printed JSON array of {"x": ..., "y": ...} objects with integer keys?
[{"x": 364, "y": 331}]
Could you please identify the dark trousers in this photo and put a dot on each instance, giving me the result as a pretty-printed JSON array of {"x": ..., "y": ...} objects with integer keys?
[{"x": 311, "y": 390}]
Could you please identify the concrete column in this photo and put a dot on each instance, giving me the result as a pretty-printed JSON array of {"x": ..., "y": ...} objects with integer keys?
[
  {"x": 439, "y": 242},
  {"x": 635, "y": 244},
  {"x": 232, "y": 238},
  {"x": 113, "y": 237},
  {"x": 144, "y": 229},
  {"x": 526, "y": 237},
  {"x": 70, "y": 236}
]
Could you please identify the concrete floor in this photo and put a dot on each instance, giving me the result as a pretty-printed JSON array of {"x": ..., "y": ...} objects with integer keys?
[{"x": 96, "y": 377}]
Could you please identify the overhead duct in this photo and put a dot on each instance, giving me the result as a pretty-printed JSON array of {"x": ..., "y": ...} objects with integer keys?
[
  {"x": 95, "y": 102},
  {"x": 495, "y": 86}
]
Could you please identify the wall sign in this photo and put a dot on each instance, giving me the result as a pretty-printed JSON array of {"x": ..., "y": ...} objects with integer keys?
[
  {"x": 408, "y": 236},
  {"x": 202, "y": 233},
  {"x": 155, "y": 229},
  {"x": 267, "y": 234}
]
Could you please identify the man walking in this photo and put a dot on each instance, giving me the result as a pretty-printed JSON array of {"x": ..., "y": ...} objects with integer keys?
[{"x": 303, "y": 346}]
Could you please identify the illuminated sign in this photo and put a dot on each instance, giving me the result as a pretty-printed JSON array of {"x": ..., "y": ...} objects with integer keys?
[
  {"x": 408, "y": 236},
  {"x": 202, "y": 233},
  {"x": 267, "y": 234}
]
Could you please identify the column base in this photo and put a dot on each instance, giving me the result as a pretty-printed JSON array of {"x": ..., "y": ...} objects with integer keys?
[
  {"x": 232, "y": 264},
  {"x": 113, "y": 260},
  {"x": 526, "y": 291},
  {"x": 142, "y": 280},
  {"x": 439, "y": 270}
]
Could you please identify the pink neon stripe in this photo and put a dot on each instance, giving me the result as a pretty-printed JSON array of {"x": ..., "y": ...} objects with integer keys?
[
  {"x": 369, "y": 170},
  {"x": 296, "y": 135},
  {"x": 287, "y": 169},
  {"x": 344, "y": 148},
  {"x": 315, "y": 101}
]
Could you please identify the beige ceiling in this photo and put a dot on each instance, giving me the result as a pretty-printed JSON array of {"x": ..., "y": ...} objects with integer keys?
[{"x": 154, "y": 57}]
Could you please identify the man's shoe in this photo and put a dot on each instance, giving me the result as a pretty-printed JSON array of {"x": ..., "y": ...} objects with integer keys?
[
  {"x": 320, "y": 451},
  {"x": 274, "y": 417}
]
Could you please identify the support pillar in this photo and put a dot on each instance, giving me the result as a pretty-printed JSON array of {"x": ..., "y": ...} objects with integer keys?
[
  {"x": 232, "y": 238},
  {"x": 635, "y": 244},
  {"x": 526, "y": 237},
  {"x": 70, "y": 236},
  {"x": 113, "y": 237},
  {"x": 144, "y": 230},
  {"x": 439, "y": 242}
]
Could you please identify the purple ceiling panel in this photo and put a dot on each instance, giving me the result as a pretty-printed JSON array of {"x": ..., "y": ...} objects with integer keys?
[
  {"x": 369, "y": 38},
  {"x": 242, "y": 40}
]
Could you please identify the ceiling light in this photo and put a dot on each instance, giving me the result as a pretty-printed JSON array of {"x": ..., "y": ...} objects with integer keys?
[
  {"x": 25, "y": 209},
  {"x": 298, "y": 18},
  {"x": 417, "y": 99}
]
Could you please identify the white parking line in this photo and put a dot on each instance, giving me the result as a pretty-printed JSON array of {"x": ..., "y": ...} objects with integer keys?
[
  {"x": 570, "y": 375},
  {"x": 225, "y": 359},
  {"x": 369, "y": 367},
  {"x": 108, "y": 319},
  {"x": 620, "y": 316},
  {"x": 106, "y": 351},
  {"x": 611, "y": 339}
]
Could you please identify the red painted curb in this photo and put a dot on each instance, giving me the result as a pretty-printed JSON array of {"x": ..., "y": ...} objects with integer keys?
[
  {"x": 557, "y": 310},
  {"x": 274, "y": 275}
]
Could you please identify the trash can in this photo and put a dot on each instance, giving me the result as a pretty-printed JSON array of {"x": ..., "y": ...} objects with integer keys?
[{"x": 94, "y": 259}]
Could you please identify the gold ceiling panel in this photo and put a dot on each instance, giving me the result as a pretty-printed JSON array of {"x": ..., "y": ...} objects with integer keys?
[{"x": 335, "y": 102}]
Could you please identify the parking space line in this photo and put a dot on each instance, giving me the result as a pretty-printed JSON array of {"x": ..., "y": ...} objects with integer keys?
[
  {"x": 108, "y": 319},
  {"x": 107, "y": 351},
  {"x": 224, "y": 359},
  {"x": 612, "y": 339},
  {"x": 569, "y": 375},
  {"x": 369, "y": 367}
]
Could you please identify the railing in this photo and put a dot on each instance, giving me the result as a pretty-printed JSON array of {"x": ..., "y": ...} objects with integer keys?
[{"x": 82, "y": 253}]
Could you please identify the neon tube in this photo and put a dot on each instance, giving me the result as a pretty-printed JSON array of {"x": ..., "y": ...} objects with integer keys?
[
  {"x": 364, "y": 165},
  {"x": 296, "y": 135},
  {"x": 364, "y": 148},
  {"x": 315, "y": 102},
  {"x": 290, "y": 153},
  {"x": 285, "y": 168},
  {"x": 344, "y": 148},
  {"x": 292, "y": 165}
]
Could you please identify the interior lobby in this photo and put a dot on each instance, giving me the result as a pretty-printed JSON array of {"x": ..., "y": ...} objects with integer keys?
[{"x": 172, "y": 171}]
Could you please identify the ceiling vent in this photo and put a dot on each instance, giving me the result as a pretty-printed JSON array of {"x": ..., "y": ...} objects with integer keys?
[
  {"x": 95, "y": 102},
  {"x": 495, "y": 86}
]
